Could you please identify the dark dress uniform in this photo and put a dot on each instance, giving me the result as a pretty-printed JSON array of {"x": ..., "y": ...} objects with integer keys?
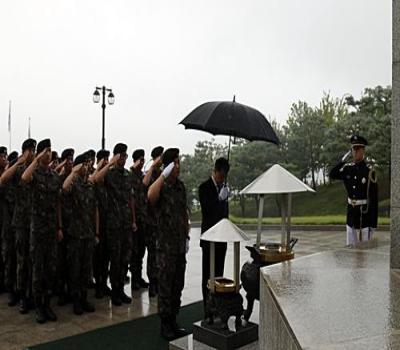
[
  {"x": 362, "y": 191},
  {"x": 118, "y": 183},
  {"x": 171, "y": 248},
  {"x": 212, "y": 210}
]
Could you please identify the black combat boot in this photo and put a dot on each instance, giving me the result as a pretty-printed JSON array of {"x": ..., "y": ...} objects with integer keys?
[
  {"x": 40, "y": 314},
  {"x": 13, "y": 298},
  {"x": 106, "y": 290},
  {"x": 153, "y": 290},
  {"x": 124, "y": 298},
  {"x": 167, "y": 331},
  {"x": 86, "y": 306},
  {"x": 50, "y": 315},
  {"x": 142, "y": 283},
  {"x": 76, "y": 305},
  {"x": 115, "y": 297},
  {"x": 99, "y": 291},
  {"x": 23, "y": 304},
  {"x": 179, "y": 332}
]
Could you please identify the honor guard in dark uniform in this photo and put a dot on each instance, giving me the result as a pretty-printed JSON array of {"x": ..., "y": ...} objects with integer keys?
[
  {"x": 22, "y": 221},
  {"x": 150, "y": 177},
  {"x": 8, "y": 237},
  {"x": 168, "y": 196},
  {"x": 46, "y": 228},
  {"x": 101, "y": 258},
  {"x": 140, "y": 195},
  {"x": 3, "y": 165},
  {"x": 360, "y": 182}
]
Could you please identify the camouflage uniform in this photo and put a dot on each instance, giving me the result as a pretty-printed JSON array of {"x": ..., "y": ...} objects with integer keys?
[
  {"x": 81, "y": 235},
  {"x": 152, "y": 224},
  {"x": 101, "y": 258},
  {"x": 171, "y": 247},
  {"x": 46, "y": 186},
  {"x": 2, "y": 200},
  {"x": 62, "y": 264},
  {"x": 8, "y": 239},
  {"x": 118, "y": 183},
  {"x": 22, "y": 223},
  {"x": 138, "y": 249}
]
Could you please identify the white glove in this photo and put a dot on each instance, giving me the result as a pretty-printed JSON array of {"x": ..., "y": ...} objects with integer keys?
[
  {"x": 168, "y": 170},
  {"x": 223, "y": 193},
  {"x": 187, "y": 245},
  {"x": 346, "y": 155}
]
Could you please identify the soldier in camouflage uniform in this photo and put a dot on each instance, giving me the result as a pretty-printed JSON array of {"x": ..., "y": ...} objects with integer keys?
[
  {"x": 168, "y": 195},
  {"x": 3, "y": 164},
  {"x": 8, "y": 238},
  {"x": 62, "y": 289},
  {"x": 140, "y": 195},
  {"x": 121, "y": 220},
  {"x": 81, "y": 232},
  {"x": 101, "y": 259},
  {"x": 22, "y": 220},
  {"x": 152, "y": 221},
  {"x": 46, "y": 228}
]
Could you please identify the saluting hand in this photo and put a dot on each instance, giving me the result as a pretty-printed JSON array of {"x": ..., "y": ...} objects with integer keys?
[
  {"x": 115, "y": 159},
  {"x": 168, "y": 170},
  {"x": 157, "y": 162},
  {"x": 76, "y": 168},
  {"x": 22, "y": 158},
  {"x": 41, "y": 154}
]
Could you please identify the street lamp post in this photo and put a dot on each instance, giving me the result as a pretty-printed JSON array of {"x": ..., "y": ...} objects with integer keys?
[{"x": 110, "y": 99}]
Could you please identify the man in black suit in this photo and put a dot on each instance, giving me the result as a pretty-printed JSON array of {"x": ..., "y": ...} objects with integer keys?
[{"x": 213, "y": 195}]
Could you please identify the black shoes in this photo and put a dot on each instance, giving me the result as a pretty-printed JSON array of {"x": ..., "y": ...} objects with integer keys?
[
  {"x": 170, "y": 329},
  {"x": 167, "y": 332},
  {"x": 13, "y": 299},
  {"x": 40, "y": 314},
  {"x": 86, "y": 306},
  {"x": 115, "y": 298},
  {"x": 23, "y": 306},
  {"x": 153, "y": 288},
  {"x": 124, "y": 298}
]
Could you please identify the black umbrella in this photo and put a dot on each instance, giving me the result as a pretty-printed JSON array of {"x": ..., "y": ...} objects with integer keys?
[{"x": 232, "y": 119}]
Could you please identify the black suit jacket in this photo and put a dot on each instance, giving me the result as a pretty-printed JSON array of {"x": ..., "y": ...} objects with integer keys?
[{"x": 212, "y": 209}]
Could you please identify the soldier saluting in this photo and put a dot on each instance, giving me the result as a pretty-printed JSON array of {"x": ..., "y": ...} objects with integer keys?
[
  {"x": 362, "y": 192},
  {"x": 46, "y": 228}
]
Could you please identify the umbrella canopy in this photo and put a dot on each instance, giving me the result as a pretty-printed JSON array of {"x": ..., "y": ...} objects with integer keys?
[
  {"x": 232, "y": 119},
  {"x": 276, "y": 180},
  {"x": 224, "y": 231}
]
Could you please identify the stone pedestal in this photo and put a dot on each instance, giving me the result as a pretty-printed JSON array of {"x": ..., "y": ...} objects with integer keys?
[{"x": 342, "y": 299}]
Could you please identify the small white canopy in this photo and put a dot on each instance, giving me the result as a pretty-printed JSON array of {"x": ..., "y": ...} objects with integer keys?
[
  {"x": 276, "y": 180},
  {"x": 224, "y": 231}
]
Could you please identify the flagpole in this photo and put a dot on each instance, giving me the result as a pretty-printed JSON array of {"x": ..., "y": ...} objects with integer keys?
[
  {"x": 9, "y": 123},
  {"x": 29, "y": 128}
]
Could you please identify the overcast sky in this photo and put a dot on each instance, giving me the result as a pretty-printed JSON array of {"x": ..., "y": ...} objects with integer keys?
[{"x": 163, "y": 58}]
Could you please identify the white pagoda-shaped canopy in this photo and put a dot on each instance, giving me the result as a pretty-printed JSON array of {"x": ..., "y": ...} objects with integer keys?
[
  {"x": 224, "y": 231},
  {"x": 276, "y": 180}
]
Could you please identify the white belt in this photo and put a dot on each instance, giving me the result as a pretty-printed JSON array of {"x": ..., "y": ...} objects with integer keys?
[{"x": 355, "y": 202}]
